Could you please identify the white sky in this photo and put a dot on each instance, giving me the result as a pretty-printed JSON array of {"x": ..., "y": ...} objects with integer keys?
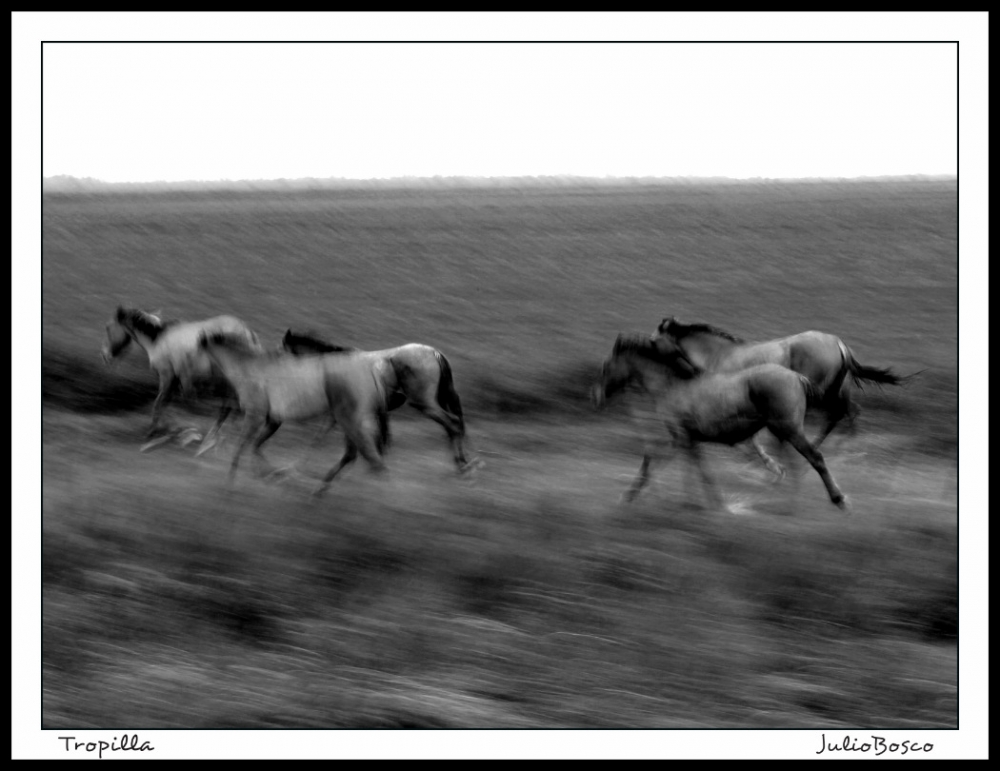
[
  {"x": 207, "y": 111},
  {"x": 177, "y": 112}
]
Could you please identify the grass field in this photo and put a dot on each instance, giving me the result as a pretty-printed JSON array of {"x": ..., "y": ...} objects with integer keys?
[{"x": 525, "y": 595}]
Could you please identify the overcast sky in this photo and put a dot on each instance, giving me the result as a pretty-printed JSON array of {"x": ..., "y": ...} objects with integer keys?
[{"x": 209, "y": 111}]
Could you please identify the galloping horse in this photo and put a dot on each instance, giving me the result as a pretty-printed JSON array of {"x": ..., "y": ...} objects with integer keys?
[
  {"x": 172, "y": 348},
  {"x": 697, "y": 406},
  {"x": 275, "y": 387},
  {"x": 415, "y": 372},
  {"x": 821, "y": 357}
]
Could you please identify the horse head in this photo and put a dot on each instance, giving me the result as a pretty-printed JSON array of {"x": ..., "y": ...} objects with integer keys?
[
  {"x": 668, "y": 325},
  {"x": 616, "y": 371},
  {"x": 117, "y": 336}
]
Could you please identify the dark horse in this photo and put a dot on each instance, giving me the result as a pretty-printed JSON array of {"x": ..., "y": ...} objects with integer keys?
[
  {"x": 821, "y": 357},
  {"x": 698, "y": 407},
  {"x": 276, "y": 387},
  {"x": 415, "y": 372}
]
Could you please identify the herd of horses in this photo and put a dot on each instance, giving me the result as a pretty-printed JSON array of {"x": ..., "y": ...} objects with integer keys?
[{"x": 707, "y": 386}]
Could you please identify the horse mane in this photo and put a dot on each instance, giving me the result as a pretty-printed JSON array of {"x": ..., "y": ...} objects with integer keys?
[
  {"x": 641, "y": 345},
  {"x": 229, "y": 340},
  {"x": 645, "y": 348},
  {"x": 142, "y": 322},
  {"x": 680, "y": 330},
  {"x": 311, "y": 340}
]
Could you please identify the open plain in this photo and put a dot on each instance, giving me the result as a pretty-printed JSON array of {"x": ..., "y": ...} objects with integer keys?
[{"x": 524, "y": 595}]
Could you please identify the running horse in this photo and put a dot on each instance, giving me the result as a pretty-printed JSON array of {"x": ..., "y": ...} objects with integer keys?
[
  {"x": 275, "y": 387},
  {"x": 172, "y": 349},
  {"x": 698, "y": 407},
  {"x": 824, "y": 358},
  {"x": 414, "y": 373}
]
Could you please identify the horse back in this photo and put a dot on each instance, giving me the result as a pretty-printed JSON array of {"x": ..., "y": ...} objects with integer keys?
[
  {"x": 287, "y": 388},
  {"x": 813, "y": 354},
  {"x": 416, "y": 356},
  {"x": 746, "y": 355},
  {"x": 177, "y": 348}
]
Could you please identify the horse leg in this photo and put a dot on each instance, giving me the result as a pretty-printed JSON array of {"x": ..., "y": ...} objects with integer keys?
[
  {"x": 853, "y": 411},
  {"x": 640, "y": 481},
  {"x": 248, "y": 433},
  {"x": 653, "y": 449},
  {"x": 808, "y": 451},
  {"x": 350, "y": 453},
  {"x": 715, "y": 498},
  {"x": 321, "y": 434},
  {"x": 270, "y": 426},
  {"x": 452, "y": 426},
  {"x": 212, "y": 437},
  {"x": 772, "y": 465},
  {"x": 168, "y": 384},
  {"x": 371, "y": 454},
  {"x": 836, "y": 408}
]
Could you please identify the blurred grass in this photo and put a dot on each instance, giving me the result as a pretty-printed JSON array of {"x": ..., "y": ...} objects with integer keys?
[{"x": 525, "y": 597}]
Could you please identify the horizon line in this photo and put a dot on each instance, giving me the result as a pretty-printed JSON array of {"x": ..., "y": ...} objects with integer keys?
[{"x": 74, "y": 181}]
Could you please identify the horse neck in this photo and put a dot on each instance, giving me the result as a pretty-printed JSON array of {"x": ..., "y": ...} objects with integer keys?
[
  {"x": 702, "y": 349},
  {"x": 141, "y": 339},
  {"x": 649, "y": 375}
]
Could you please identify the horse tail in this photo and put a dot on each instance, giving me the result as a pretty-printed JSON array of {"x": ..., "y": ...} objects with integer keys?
[
  {"x": 862, "y": 374},
  {"x": 447, "y": 396}
]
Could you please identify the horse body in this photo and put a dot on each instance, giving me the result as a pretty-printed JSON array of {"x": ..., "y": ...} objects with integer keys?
[
  {"x": 729, "y": 408},
  {"x": 173, "y": 352},
  {"x": 274, "y": 387},
  {"x": 176, "y": 348},
  {"x": 415, "y": 373},
  {"x": 823, "y": 358},
  {"x": 724, "y": 408}
]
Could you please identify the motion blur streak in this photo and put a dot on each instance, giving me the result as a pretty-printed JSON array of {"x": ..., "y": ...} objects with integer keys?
[{"x": 522, "y": 595}]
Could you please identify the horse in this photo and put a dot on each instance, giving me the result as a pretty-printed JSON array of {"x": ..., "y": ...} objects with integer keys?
[
  {"x": 172, "y": 349},
  {"x": 273, "y": 387},
  {"x": 821, "y": 357},
  {"x": 698, "y": 406},
  {"x": 414, "y": 373}
]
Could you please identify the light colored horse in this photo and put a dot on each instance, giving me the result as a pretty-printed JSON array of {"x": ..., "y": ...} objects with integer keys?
[
  {"x": 414, "y": 372},
  {"x": 276, "y": 387},
  {"x": 724, "y": 408},
  {"x": 172, "y": 349}
]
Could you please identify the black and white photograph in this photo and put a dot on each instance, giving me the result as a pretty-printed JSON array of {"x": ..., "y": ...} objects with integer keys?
[{"x": 488, "y": 385}]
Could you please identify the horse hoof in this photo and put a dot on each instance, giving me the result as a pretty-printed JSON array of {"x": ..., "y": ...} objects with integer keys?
[
  {"x": 205, "y": 447},
  {"x": 189, "y": 435},
  {"x": 844, "y": 505},
  {"x": 155, "y": 443},
  {"x": 279, "y": 474}
]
